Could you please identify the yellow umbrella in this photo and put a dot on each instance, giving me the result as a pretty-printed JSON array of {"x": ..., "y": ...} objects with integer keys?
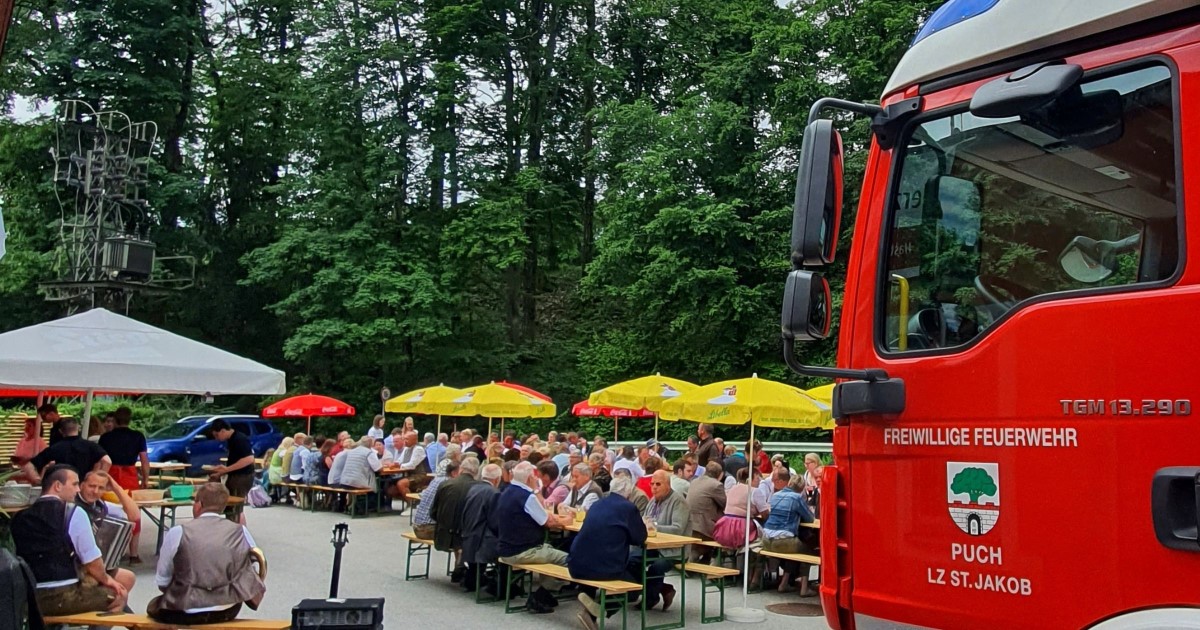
[
  {"x": 755, "y": 400},
  {"x": 647, "y": 392},
  {"x": 422, "y": 401},
  {"x": 761, "y": 402},
  {"x": 824, "y": 393},
  {"x": 496, "y": 401}
]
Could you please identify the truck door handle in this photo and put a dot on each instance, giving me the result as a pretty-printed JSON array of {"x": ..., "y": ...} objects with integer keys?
[{"x": 1175, "y": 507}]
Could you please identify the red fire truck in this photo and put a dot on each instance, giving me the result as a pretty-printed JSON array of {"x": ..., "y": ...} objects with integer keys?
[{"x": 1017, "y": 445}]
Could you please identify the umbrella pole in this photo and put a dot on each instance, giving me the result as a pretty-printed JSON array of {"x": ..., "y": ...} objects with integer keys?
[
  {"x": 86, "y": 420},
  {"x": 745, "y": 614},
  {"x": 656, "y": 426},
  {"x": 308, "y": 426},
  {"x": 489, "y": 435},
  {"x": 439, "y": 430},
  {"x": 616, "y": 422}
]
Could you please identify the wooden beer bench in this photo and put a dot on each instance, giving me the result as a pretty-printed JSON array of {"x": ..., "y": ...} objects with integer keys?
[
  {"x": 805, "y": 558},
  {"x": 420, "y": 547},
  {"x": 559, "y": 572},
  {"x": 142, "y": 622},
  {"x": 712, "y": 580}
]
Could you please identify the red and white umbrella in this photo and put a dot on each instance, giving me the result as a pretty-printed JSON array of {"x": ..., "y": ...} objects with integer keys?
[
  {"x": 307, "y": 406},
  {"x": 584, "y": 409}
]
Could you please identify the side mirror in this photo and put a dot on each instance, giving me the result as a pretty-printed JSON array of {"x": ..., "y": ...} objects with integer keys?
[
  {"x": 1090, "y": 261},
  {"x": 807, "y": 306},
  {"x": 1025, "y": 90},
  {"x": 817, "y": 213}
]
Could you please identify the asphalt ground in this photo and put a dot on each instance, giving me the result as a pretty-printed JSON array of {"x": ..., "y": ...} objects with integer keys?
[{"x": 299, "y": 554}]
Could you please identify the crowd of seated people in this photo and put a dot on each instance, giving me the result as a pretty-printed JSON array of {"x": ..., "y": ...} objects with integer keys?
[
  {"x": 488, "y": 512},
  {"x": 498, "y": 511}
]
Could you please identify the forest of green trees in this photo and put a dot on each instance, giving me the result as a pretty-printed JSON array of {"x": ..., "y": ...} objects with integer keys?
[{"x": 402, "y": 192}]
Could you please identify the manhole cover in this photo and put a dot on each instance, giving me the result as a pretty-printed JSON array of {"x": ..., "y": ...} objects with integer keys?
[{"x": 796, "y": 610}]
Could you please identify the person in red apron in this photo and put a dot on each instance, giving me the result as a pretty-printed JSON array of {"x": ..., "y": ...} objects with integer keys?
[{"x": 130, "y": 465}]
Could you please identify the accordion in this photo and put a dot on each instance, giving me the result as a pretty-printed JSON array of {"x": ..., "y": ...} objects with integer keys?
[{"x": 112, "y": 537}]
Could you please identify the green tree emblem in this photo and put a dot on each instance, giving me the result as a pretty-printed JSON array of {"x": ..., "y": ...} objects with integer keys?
[{"x": 974, "y": 482}]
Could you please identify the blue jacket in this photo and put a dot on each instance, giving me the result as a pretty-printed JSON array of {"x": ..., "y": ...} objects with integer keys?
[
  {"x": 788, "y": 510},
  {"x": 601, "y": 549}
]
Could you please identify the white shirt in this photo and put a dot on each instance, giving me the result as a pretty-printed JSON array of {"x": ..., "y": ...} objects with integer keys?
[
  {"x": 630, "y": 465},
  {"x": 166, "y": 559},
  {"x": 766, "y": 487},
  {"x": 335, "y": 471},
  {"x": 761, "y": 503},
  {"x": 79, "y": 530},
  {"x": 375, "y": 432},
  {"x": 535, "y": 510}
]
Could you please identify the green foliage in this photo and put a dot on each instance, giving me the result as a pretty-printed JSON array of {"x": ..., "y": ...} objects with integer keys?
[
  {"x": 394, "y": 192},
  {"x": 975, "y": 482}
]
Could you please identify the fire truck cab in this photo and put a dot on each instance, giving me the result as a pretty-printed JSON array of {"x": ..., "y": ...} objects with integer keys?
[{"x": 1017, "y": 445}]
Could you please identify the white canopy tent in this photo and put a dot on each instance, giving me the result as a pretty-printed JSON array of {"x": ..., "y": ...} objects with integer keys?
[{"x": 101, "y": 351}]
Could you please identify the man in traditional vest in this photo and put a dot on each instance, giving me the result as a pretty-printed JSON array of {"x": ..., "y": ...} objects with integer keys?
[
  {"x": 414, "y": 466},
  {"x": 204, "y": 568},
  {"x": 55, "y": 538},
  {"x": 584, "y": 492}
]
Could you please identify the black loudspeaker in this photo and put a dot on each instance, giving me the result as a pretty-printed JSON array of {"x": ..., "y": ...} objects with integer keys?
[{"x": 338, "y": 614}]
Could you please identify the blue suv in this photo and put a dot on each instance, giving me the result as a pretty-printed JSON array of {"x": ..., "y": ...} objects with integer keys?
[{"x": 188, "y": 440}]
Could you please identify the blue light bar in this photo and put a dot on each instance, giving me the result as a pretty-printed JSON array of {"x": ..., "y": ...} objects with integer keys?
[{"x": 952, "y": 13}]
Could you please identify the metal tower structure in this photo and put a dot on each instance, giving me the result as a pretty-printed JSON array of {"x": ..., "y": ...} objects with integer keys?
[{"x": 101, "y": 170}]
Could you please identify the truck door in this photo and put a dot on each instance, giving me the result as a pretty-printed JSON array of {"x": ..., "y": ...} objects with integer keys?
[{"x": 1032, "y": 294}]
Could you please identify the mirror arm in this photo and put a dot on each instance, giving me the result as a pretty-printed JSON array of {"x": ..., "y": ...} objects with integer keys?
[
  {"x": 886, "y": 122},
  {"x": 866, "y": 109},
  {"x": 870, "y": 375}
]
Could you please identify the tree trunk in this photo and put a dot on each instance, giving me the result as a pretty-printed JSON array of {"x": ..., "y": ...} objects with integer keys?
[{"x": 588, "y": 208}]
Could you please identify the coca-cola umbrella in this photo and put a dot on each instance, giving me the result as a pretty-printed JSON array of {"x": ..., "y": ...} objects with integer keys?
[
  {"x": 584, "y": 409},
  {"x": 307, "y": 406}
]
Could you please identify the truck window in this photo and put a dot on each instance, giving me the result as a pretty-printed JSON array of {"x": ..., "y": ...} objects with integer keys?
[{"x": 988, "y": 213}]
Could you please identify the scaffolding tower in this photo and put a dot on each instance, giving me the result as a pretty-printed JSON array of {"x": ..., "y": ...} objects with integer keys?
[{"x": 101, "y": 171}]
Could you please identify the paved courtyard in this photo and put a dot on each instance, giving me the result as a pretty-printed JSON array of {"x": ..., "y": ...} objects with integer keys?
[{"x": 300, "y": 558}]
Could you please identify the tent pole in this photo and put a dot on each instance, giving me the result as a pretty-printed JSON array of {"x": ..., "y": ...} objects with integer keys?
[{"x": 86, "y": 420}]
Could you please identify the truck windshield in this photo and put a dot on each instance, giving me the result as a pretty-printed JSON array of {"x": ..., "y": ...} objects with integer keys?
[{"x": 989, "y": 212}]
